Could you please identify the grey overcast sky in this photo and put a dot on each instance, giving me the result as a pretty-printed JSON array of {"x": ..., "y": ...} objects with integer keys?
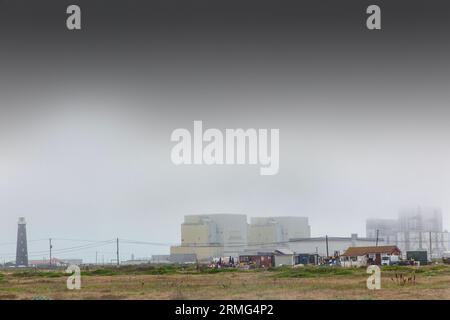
[{"x": 86, "y": 118}]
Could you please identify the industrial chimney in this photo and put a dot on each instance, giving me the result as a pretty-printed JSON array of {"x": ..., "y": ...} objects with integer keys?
[{"x": 22, "y": 250}]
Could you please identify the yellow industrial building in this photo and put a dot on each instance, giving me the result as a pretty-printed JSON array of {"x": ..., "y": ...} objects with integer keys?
[{"x": 221, "y": 235}]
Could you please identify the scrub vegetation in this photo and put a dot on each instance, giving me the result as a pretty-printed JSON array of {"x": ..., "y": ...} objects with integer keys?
[{"x": 192, "y": 282}]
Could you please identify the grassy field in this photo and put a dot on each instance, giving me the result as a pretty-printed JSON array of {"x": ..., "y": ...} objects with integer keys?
[{"x": 171, "y": 282}]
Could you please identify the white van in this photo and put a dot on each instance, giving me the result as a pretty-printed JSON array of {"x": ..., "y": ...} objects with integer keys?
[{"x": 389, "y": 260}]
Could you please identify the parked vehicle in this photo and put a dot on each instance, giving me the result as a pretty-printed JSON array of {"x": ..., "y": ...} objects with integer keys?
[
  {"x": 390, "y": 260},
  {"x": 418, "y": 256},
  {"x": 446, "y": 257}
]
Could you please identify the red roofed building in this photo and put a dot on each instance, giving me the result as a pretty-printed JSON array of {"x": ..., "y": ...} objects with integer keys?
[
  {"x": 46, "y": 263},
  {"x": 363, "y": 256}
]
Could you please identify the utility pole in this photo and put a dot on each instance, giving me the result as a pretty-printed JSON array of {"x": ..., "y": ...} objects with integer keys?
[
  {"x": 96, "y": 254},
  {"x": 378, "y": 232},
  {"x": 430, "y": 247},
  {"x": 326, "y": 241},
  {"x": 117, "y": 245},
  {"x": 50, "y": 247}
]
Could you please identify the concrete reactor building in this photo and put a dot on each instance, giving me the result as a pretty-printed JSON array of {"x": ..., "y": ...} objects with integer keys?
[
  {"x": 212, "y": 235},
  {"x": 382, "y": 228},
  {"x": 275, "y": 232},
  {"x": 415, "y": 229},
  {"x": 223, "y": 235}
]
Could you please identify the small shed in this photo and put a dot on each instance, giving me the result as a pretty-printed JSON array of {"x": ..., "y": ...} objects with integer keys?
[
  {"x": 258, "y": 260},
  {"x": 307, "y": 258},
  {"x": 182, "y": 258},
  {"x": 363, "y": 256},
  {"x": 284, "y": 257},
  {"x": 420, "y": 256}
]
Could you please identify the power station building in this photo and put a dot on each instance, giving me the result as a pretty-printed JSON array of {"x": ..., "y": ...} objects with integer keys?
[
  {"x": 382, "y": 228},
  {"x": 331, "y": 246},
  {"x": 222, "y": 235},
  {"x": 212, "y": 235},
  {"x": 270, "y": 233},
  {"x": 415, "y": 229}
]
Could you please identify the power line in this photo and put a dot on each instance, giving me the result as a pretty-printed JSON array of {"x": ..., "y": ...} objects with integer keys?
[
  {"x": 147, "y": 243},
  {"x": 239, "y": 244},
  {"x": 86, "y": 245},
  {"x": 93, "y": 244},
  {"x": 15, "y": 243},
  {"x": 64, "y": 250},
  {"x": 76, "y": 240}
]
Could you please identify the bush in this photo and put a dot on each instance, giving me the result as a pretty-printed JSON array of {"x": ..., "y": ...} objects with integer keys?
[
  {"x": 161, "y": 270},
  {"x": 35, "y": 273},
  {"x": 395, "y": 268},
  {"x": 312, "y": 272},
  {"x": 222, "y": 270},
  {"x": 132, "y": 270},
  {"x": 99, "y": 272}
]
